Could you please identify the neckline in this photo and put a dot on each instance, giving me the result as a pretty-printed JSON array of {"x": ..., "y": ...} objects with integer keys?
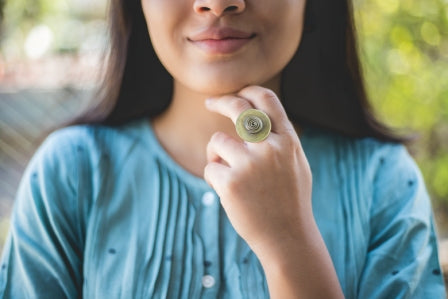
[{"x": 151, "y": 138}]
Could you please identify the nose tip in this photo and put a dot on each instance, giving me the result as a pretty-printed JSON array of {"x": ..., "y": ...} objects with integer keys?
[{"x": 219, "y": 7}]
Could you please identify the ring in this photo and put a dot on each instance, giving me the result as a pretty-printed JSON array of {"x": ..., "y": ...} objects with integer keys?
[{"x": 253, "y": 125}]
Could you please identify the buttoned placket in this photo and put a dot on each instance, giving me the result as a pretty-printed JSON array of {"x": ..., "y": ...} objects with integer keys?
[{"x": 209, "y": 231}]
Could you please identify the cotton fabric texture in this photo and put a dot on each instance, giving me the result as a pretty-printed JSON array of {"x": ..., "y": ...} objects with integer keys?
[{"x": 106, "y": 213}]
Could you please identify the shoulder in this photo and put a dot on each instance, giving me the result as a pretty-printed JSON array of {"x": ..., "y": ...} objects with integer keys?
[
  {"x": 367, "y": 154},
  {"x": 395, "y": 183},
  {"x": 93, "y": 139},
  {"x": 89, "y": 146},
  {"x": 78, "y": 159},
  {"x": 384, "y": 172},
  {"x": 75, "y": 166}
]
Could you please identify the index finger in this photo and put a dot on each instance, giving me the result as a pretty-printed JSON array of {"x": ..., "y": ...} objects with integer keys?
[{"x": 266, "y": 100}]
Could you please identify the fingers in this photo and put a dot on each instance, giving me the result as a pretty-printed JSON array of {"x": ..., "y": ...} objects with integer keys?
[
  {"x": 223, "y": 147},
  {"x": 252, "y": 97},
  {"x": 229, "y": 105},
  {"x": 216, "y": 175},
  {"x": 266, "y": 100},
  {"x": 223, "y": 153}
]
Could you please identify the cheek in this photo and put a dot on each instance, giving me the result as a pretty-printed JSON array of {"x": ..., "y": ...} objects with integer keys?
[
  {"x": 164, "y": 19},
  {"x": 291, "y": 37},
  {"x": 157, "y": 22},
  {"x": 284, "y": 27}
]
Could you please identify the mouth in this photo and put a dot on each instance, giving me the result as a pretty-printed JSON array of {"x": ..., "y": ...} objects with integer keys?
[{"x": 222, "y": 41}]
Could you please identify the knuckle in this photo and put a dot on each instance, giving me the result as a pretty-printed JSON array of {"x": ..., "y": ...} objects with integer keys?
[
  {"x": 269, "y": 95},
  {"x": 290, "y": 141},
  {"x": 249, "y": 165},
  {"x": 207, "y": 173},
  {"x": 233, "y": 186},
  {"x": 217, "y": 138},
  {"x": 272, "y": 148},
  {"x": 238, "y": 104},
  {"x": 287, "y": 146},
  {"x": 308, "y": 175},
  {"x": 209, "y": 148}
]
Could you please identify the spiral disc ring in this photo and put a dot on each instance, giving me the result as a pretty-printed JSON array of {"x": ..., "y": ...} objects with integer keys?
[{"x": 253, "y": 125}]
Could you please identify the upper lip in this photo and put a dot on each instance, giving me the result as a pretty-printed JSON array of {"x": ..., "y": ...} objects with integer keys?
[{"x": 218, "y": 33}]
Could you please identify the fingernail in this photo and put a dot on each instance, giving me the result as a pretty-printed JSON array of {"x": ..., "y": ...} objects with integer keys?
[{"x": 208, "y": 101}]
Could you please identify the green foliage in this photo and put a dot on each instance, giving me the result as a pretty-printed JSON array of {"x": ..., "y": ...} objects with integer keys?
[
  {"x": 66, "y": 19},
  {"x": 22, "y": 13},
  {"x": 2, "y": 5},
  {"x": 404, "y": 45}
]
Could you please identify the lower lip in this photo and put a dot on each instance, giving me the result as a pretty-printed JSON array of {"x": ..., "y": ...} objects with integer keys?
[{"x": 222, "y": 46}]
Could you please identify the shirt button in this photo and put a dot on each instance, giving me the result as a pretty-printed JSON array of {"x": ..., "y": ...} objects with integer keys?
[
  {"x": 208, "y": 281},
  {"x": 208, "y": 198}
]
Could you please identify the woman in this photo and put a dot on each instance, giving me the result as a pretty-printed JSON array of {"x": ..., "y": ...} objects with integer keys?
[{"x": 159, "y": 197}]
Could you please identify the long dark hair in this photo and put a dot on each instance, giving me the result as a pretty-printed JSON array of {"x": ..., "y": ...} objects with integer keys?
[{"x": 322, "y": 86}]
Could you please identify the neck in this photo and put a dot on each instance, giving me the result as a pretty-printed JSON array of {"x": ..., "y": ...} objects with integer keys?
[{"x": 186, "y": 127}]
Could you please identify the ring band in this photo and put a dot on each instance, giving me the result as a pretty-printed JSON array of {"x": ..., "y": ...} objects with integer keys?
[{"x": 253, "y": 125}]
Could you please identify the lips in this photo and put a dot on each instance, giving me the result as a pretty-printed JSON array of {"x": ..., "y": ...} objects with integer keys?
[{"x": 223, "y": 40}]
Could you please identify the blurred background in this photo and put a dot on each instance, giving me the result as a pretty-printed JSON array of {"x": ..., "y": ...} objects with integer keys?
[{"x": 50, "y": 62}]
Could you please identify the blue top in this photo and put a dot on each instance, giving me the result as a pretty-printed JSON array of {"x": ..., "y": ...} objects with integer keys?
[{"x": 106, "y": 213}]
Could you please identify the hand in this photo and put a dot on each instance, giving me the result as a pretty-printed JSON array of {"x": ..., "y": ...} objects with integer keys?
[{"x": 265, "y": 188}]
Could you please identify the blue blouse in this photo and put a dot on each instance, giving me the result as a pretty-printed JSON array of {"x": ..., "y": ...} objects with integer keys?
[{"x": 106, "y": 213}]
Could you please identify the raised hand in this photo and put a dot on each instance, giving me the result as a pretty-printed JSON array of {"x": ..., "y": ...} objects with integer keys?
[{"x": 265, "y": 189}]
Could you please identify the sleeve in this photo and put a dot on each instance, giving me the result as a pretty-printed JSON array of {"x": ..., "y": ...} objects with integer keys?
[
  {"x": 402, "y": 258},
  {"x": 42, "y": 257}
]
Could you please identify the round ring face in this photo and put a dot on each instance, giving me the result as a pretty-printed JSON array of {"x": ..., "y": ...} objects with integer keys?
[{"x": 253, "y": 125}]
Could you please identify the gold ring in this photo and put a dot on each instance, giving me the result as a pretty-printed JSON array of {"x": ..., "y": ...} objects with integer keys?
[{"x": 253, "y": 125}]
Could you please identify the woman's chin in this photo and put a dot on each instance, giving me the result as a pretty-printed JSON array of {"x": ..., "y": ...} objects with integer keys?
[
  {"x": 215, "y": 84},
  {"x": 221, "y": 87},
  {"x": 218, "y": 91}
]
